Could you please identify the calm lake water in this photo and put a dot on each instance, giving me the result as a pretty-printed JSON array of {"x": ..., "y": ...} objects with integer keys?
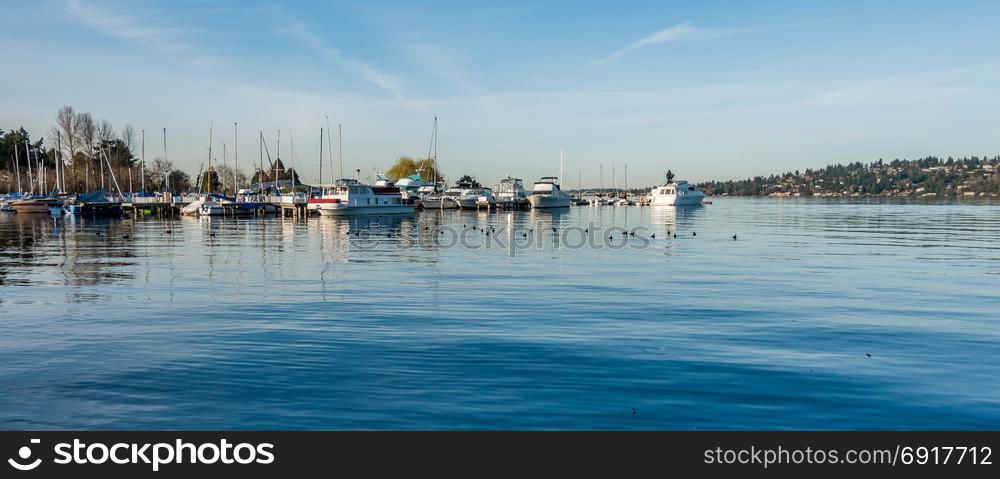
[{"x": 382, "y": 323}]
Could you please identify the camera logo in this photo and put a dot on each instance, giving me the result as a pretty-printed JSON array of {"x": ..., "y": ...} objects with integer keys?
[{"x": 25, "y": 453}]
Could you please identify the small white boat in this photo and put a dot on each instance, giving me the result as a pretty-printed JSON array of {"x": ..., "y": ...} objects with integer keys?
[
  {"x": 547, "y": 194},
  {"x": 679, "y": 193},
  {"x": 195, "y": 207},
  {"x": 485, "y": 198},
  {"x": 211, "y": 209},
  {"x": 464, "y": 195},
  {"x": 351, "y": 197}
]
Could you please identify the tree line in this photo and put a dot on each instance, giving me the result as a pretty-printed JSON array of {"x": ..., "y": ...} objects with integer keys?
[
  {"x": 929, "y": 175},
  {"x": 92, "y": 154}
]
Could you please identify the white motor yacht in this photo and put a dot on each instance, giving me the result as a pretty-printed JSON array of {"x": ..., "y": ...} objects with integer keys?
[
  {"x": 679, "y": 193},
  {"x": 547, "y": 194},
  {"x": 510, "y": 192}
]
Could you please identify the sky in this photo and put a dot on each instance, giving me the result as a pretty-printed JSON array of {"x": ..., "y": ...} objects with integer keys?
[{"x": 708, "y": 89}]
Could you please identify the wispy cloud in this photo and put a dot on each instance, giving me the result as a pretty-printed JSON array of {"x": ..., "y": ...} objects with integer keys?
[
  {"x": 118, "y": 25},
  {"x": 688, "y": 32},
  {"x": 298, "y": 31},
  {"x": 443, "y": 62}
]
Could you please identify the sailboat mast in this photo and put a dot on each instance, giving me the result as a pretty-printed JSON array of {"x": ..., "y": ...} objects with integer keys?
[
  {"x": 58, "y": 160},
  {"x": 208, "y": 171},
  {"x": 236, "y": 158},
  {"x": 43, "y": 185},
  {"x": 340, "y": 144},
  {"x": 278, "y": 160},
  {"x": 329, "y": 146},
  {"x": 142, "y": 168},
  {"x": 169, "y": 188},
  {"x": 17, "y": 168},
  {"x": 435, "y": 162},
  {"x": 291, "y": 146},
  {"x": 222, "y": 179},
  {"x": 321, "y": 155},
  {"x": 27, "y": 154},
  {"x": 260, "y": 144},
  {"x": 560, "y": 164}
]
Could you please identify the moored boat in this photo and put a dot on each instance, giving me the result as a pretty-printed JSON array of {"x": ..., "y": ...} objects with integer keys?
[
  {"x": 351, "y": 197},
  {"x": 547, "y": 194},
  {"x": 679, "y": 193},
  {"x": 510, "y": 193},
  {"x": 37, "y": 205}
]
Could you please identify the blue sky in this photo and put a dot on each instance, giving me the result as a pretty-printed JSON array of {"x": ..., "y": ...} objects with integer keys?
[{"x": 707, "y": 89}]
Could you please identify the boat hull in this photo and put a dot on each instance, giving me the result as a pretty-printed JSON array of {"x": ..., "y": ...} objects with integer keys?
[
  {"x": 32, "y": 206},
  {"x": 211, "y": 210},
  {"x": 674, "y": 200},
  {"x": 446, "y": 203},
  {"x": 364, "y": 210},
  {"x": 548, "y": 201},
  {"x": 94, "y": 209},
  {"x": 466, "y": 202},
  {"x": 193, "y": 208}
]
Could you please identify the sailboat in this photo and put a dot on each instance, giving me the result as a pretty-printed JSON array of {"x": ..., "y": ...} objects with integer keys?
[
  {"x": 41, "y": 203},
  {"x": 429, "y": 194}
]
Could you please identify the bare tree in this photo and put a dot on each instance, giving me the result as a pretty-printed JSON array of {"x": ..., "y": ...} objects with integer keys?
[
  {"x": 65, "y": 135},
  {"x": 105, "y": 132},
  {"x": 87, "y": 133},
  {"x": 159, "y": 171},
  {"x": 128, "y": 138},
  {"x": 67, "y": 124},
  {"x": 226, "y": 173}
]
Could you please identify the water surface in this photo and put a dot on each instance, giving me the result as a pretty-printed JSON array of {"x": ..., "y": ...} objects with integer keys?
[{"x": 383, "y": 323}]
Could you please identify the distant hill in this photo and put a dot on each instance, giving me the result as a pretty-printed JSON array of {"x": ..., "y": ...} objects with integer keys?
[{"x": 929, "y": 176}]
